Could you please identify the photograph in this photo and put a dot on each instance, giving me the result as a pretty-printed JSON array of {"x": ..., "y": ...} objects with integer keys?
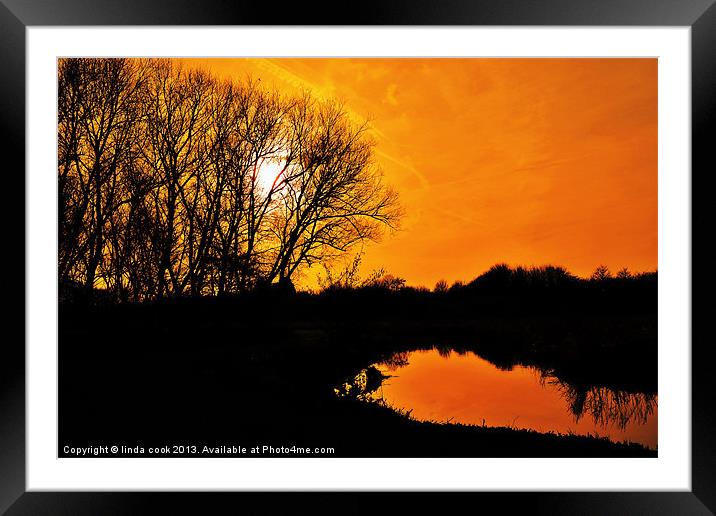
[
  {"x": 369, "y": 257},
  {"x": 292, "y": 256}
]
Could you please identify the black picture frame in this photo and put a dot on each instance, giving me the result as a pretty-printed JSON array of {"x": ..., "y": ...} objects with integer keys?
[{"x": 16, "y": 15}]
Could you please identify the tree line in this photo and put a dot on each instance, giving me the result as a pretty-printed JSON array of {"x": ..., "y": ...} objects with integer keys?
[{"x": 163, "y": 187}]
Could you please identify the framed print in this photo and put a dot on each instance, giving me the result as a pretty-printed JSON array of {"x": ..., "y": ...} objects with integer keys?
[{"x": 433, "y": 251}]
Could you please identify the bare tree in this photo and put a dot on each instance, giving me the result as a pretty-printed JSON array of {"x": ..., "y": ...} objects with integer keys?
[
  {"x": 173, "y": 183},
  {"x": 96, "y": 122},
  {"x": 173, "y": 153},
  {"x": 334, "y": 197}
]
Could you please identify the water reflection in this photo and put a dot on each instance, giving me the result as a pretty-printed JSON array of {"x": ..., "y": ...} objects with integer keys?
[
  {"x": 441, "y": 385},
  {"x": 606, "y": 406}
]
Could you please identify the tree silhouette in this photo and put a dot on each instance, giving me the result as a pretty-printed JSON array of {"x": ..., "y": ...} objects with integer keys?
[
  {"x": 332, "y": 197},
  {"x": 97, "y": 116},
  {"x": 601, "y": 273},
  {"x": 162, "y": 187}
]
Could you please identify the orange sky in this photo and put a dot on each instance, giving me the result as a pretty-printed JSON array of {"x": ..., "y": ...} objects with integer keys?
[{"x": 524, "y": 161}]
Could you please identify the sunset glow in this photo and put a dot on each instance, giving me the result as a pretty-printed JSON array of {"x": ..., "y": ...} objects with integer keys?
[
  {"x": 524, "y": 161},
  {"x": 268, "y": 172},
  {"x": 358, "y": 253}
]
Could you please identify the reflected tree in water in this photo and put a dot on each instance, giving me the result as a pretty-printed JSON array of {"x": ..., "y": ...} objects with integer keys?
[
  {"x": 605, "y": 406},
  {"x": 396, "y": 360},
  {"x": 444, "y": 350}
]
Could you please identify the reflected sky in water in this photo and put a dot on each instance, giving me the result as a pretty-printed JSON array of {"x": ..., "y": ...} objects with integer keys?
[{"x": 468, "y": 389}]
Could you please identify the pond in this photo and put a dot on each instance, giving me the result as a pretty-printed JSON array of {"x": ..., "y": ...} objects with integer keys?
[{"x": 464, "y": 388}]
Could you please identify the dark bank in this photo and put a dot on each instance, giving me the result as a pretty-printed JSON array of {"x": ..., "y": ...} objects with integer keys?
[{"x": 262, "y": 368}]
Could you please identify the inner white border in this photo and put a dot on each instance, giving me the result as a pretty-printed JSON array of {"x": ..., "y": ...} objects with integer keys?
[{"x": 671, "y": 471}]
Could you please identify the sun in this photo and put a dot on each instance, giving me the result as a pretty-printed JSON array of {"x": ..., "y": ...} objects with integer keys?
[{"x": 268, "y": 171}]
